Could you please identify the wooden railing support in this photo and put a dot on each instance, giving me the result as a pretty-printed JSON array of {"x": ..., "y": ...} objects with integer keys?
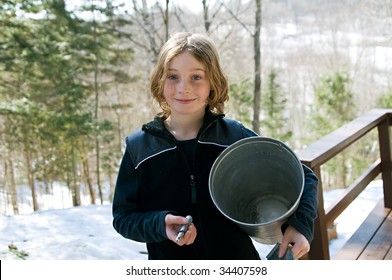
[
  {"x": 319, "y": 244},
  {"x": 386, "y": 160},
  {"x": 319, "y": 152}
]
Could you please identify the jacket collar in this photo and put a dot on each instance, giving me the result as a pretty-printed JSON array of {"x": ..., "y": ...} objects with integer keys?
[{"x": 157, "y": 126}]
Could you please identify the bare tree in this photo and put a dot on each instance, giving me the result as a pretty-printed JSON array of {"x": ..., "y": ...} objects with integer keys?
[
  {"x": 144, "y": 17},
  {"x": 257, "y": 75},
  {"x": 206, "y": 15},
  {"x": 256, "y": 34}
]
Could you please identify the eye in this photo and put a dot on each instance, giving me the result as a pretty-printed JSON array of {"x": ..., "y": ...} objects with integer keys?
[
  {"x": 172, "y": 77},
  {"x": 196, "y": 77}
]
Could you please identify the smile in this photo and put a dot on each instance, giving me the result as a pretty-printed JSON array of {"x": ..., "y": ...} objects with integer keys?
[{"x": 185, "y": 101}]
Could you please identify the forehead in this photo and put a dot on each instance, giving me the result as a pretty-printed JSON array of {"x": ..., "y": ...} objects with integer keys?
[{"x": 186, "y": 60}]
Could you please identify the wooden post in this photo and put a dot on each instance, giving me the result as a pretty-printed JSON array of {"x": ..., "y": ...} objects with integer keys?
[
  {"x": 386, "y": 160},
  {"x": 319, "y": 249}
]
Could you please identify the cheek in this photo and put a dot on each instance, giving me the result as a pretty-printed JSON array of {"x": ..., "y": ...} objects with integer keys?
[
  {"x": 205, "y": 92},
  {"x": 167, "y": 89},
  {"x": 205, "y": 96}
]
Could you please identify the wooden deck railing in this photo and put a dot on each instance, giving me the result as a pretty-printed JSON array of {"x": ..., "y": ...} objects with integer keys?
[{"x": 316, "y": 154}]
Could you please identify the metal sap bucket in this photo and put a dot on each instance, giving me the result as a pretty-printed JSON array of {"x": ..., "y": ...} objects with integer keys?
[{"x": 257, "y": 182}]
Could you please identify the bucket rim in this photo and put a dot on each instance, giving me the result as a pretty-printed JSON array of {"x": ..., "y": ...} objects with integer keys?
[{"x": 249, "y": 140}]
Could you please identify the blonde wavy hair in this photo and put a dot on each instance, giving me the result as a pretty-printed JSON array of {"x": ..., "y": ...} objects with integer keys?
[{"x": 204, "y": 50}]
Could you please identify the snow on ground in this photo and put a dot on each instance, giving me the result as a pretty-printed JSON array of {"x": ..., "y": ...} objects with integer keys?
[
  {"x": 86, "y": 232},
  {"x": 79, "y": 233}
]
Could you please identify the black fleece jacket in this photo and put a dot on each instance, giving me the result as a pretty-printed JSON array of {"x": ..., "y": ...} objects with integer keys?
[{"x": 155, "y": 179}]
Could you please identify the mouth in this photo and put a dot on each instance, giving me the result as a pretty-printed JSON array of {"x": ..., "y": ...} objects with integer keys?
[{"x": 185, "y": 101}]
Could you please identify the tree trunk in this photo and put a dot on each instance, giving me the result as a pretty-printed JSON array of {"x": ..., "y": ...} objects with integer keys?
[
  {"x": 74, "y": 182},
  {"x": 207, "y": 21},
  {"x": 10, "y": 185},
  {"x": 86, "y": 171},
  {"x": 112, "y": 187},
  {"x": 30, "y": 176},
  {"x": 344, "y": 171},
  {"x": 257, "y": 75},
  {"x": 166, "y": 20},
  {"x": 12, "y": 188},
  {"x": 96, "y": 116}
]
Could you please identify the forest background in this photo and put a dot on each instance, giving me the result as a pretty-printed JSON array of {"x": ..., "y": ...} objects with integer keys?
[{"x": 74, "y": 81}]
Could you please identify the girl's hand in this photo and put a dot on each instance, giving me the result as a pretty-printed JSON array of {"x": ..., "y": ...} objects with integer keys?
[
  {"x": 300, "y": 244},
  {"x": 173, "y": 224}
]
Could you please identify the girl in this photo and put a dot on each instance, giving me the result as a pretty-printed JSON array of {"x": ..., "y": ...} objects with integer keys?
[{"x": 164, "y": 172}]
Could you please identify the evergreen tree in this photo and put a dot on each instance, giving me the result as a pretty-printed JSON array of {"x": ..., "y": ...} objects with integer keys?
[
  {"x": 20, "y": 107},
  {"x": 44, "y": 99},
  {"x": 241, "y": 104},
  {"x": 49, "y": 104},
  {"x": 334, "y": 107},
  {"x": 102, "y": 42},
  {"x": 334, "y": 103},
  {"x": 274, "y": 109},
  {"x": 385, "y": 100}
]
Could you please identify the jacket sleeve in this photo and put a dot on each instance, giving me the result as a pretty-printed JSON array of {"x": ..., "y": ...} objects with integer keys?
[
  {"x": 128, "y": 219},
  {"x": 303, "y": 218}
]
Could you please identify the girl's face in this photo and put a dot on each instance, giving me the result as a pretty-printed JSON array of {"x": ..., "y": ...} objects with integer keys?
[{"x": 187, "y": 86}]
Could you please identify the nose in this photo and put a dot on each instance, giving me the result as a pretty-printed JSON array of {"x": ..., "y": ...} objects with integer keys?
[{"x": 183, "y": 86}]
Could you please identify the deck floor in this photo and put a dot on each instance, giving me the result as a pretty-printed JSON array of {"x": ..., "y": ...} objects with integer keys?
[{"x": 373, "y": 239}]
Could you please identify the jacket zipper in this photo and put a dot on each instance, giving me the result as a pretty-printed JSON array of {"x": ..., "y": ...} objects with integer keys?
[
  {"x": 193, "y": 189},
  {"x": 197, "y": 210},
  {"x": 191, "y": 175}
]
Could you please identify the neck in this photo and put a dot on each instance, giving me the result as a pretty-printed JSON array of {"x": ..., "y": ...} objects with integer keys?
[{"x": 184, "y": 127}]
